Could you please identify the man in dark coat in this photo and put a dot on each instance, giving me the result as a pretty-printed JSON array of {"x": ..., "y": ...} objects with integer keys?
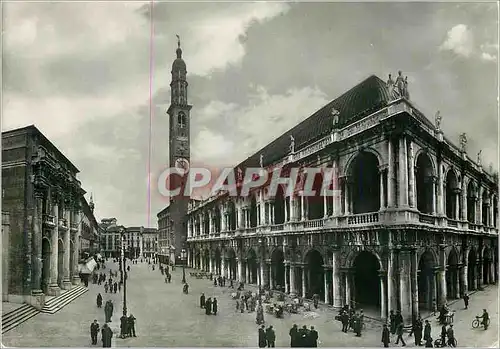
[
  {"x": 208, "y": 306},
  {"x": 293, "y": 336},
  {"x": 214, "y": 306},
  {"x": 303, "y": 337},
  {"x": 466, "y": 300},
  {"x": 123, "y": 326},
  {"x": 262, "y": 337},
  {"x": 313, "y": 338},
  {"x": 108, "y": 310},
  {"x": 344, "y": 318},
  {"x": 270, "y": 336},
  {"x": 418, "y": 331},
  {"x": 99, "y": 300},
  {"x": 386, "y": 338},
  {"x": 392, "y": 321},
  {"x": 202, "y": 300},
  {"x": 115, "y": 287},
  {"x": 106, "y": 335},
  {"x": 399, "y": 333},
  {"x": 427, "y": 330},
  {"x": 94, "y": 329},
  {"x": 357, "y": 325},
  {"x": 131, "y": 326}
]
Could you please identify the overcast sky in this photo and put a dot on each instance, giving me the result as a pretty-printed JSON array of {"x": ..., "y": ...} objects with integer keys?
[{"x": 81, "y": 73}]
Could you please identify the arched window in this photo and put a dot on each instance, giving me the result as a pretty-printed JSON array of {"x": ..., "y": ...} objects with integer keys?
[{"x": 181, "y": 120}]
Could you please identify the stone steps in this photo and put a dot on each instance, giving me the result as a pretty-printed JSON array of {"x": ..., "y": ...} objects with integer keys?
[
  {"x": 55, "y": 304},
  {"x": 17, "y": 316}
]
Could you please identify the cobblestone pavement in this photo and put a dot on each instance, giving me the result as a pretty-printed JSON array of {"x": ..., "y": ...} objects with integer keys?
[{"x": 166, "y": 317}]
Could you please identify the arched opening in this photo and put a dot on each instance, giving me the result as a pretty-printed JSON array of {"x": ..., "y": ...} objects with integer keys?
[
  {"x": 366, "y": 279},
  {"x": 197, "y": 260},
  {"x": 206, "y": 223},
  {"x": 424, "y": 184},
  {"x": 486, "y": 208},
  {"x": 315, "y": 203},
  {"x": 231, "y": 216},
  {"x": 451, "y": 194},
  {"x": 471, "y": 202},
  {"x": 217, "y": 220},
  {"x": 60, "y": 259},
  {"x": 252, "y": 267},
  {"x": 279, "y": 206},
  {"x": 45, "y": 265},
  {"x": 487, "y": 266},
  {"x": 426, "y": 282},
  {"x": 452, "y": 276},
  {"x": 206, "y": 261},
  {"x": 253, "y": 212},
  {"x": 218, "y": 262},
  {"x": 471, "y": 270},
  {"x": 365, "y": 187},
  {"x": 315, "y": 274},
  {"x": 277, "y": 270},
  {"x": 231, "y": 264}
]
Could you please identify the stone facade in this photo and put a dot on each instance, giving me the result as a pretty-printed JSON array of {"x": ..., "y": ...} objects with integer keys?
[
  {"x": 5, "y": 256},
  {"x": 89, "y": 241},
  {"x": 42, "y": 196},
  {"x": 412, "y": 218},
  {"x": 134, "y": 240}
]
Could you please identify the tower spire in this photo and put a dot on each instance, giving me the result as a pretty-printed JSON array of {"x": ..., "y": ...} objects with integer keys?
[
  {"x": 179, "y": 50},
  {"x": 91, "y": 203}
]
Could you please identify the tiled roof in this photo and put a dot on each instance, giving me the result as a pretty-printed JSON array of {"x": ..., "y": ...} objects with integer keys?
[{"x": 366, "y": 97}]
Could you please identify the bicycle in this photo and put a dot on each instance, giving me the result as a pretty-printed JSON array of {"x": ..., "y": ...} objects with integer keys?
[
  {"x": 477, "y": 322},
  {"x": 439, "y": 344}
]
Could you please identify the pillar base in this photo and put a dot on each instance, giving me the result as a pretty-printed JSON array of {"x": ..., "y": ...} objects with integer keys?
[
  {"x": 53, "y": 290},
  {"x": 76, "y": 280},
  {"x": 66, "y": 284},
  {"x": 37, "y": 299}
]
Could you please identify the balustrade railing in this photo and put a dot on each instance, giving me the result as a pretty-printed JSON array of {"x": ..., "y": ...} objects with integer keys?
[
  {"x": 277, "y": 227},
  {"x": 363, "y": 218},
  {"x": 315, "y": 223},
  {"x": 427, "y": 218},
  {"x": 452, "y": 223},
  {"x": 473, "y": 226}
]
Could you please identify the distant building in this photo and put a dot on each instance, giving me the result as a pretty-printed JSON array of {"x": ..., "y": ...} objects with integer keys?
[
  {"x": 89, "y": 241},
  {"x": 138, "y": 241},
  {"x": 41, "y": 194}
]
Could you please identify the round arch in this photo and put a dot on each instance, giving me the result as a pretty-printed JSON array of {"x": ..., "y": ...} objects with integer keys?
[
  {"x": 471, "y": 200},
  {"x": 352, "y": 159},
  {"x": 423, "y": 151},
  {"x": 46, "y": 252},
  {"x": 60, "y": 262},
  {"x": 451, "y": 187},
  {"x": 471, "y": 269},
  {"x": 251, "y": 266},
  {"x": 427, "y": 288},
  {"x": 364, "y": 186},
  {"x": 367, "y": 268},
  {"x": 487, "y": 265},
  {"x": 314, "y": 274},
  {"x": 424, "y": 182},
  {"x": 277, "y": 280},
  {"x": 453, "y": 274},
  {"x": 218, "y": 261}
]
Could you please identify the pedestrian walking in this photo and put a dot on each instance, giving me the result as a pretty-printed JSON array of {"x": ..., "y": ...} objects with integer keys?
[
  {"x": 466, "y": 300},
  {"x": 262, "y": 337},
  {"x": 214, "y": 306},
  {"x": 106, "y": 288},
  {"x": 115, "y": 287},
  {"x": 392, "y": 321},
  {"x": 451, "y": 336},
  {"x": 94, "y": 330},
  {"x": 99, "y": 300},
  {"x": 386, "y": 337},
  {"x": 427, "y": 331},
  {"x": 399, "y": 333},
  {"x": 293, "y": 336},
  {"x": 202, "y": 300},
  {"x": 208, "y": 306},
  {"x": 418, "y": 331},
  {"x": 123, "y": 326},
  {"x": 270, "y": 336},
  {"x": 313, "y": 338},
  {"x": 259, "y": 319},
  {"x": 106, "y": 335},
  {"x": 444, "y": 331},
  {"x": 131, "y": 326},
  {"x": 344, "y": 318}
]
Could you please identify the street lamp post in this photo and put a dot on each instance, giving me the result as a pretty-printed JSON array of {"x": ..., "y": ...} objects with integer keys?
[
  {"x": 183, "y": 257},
  {"x": 124, "y": 272}
]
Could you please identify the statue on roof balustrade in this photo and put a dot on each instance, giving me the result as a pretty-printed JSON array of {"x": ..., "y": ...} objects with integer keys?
[
  {"x": 463, "y": 142},
  {"x": 479, "y": 157},
  {"x": 398, "y": 90},
  {"x": 261, "y": 160},
  {"x": 406, "y": 92},
  {"x": 335, "y": 116},
  {"x": 438, "y": 119},
  {"x": 292, "y": 144}
]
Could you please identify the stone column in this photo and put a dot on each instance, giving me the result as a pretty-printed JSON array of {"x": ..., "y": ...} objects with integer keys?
[
  {"x": 414, "y": 282},
  {"x": 54, "y": 289},
  {"x": 223, "y": 265},
  {"x": 440, "y": 190},
  {"x": 210, "y": 262},
  {"x": 271, "y": 275},
  {"x": 390, "y": 173},
  {"x": 405, "y": 284},
  {"x": 262, "y": 279},
  {"x": 383, "y": 304},
  {"x": 402, "y": 177},
  {"x": 292, "y": 279},
  {"x": 247, "y": 274},
  {"x": 411, "y": 175},
  {"x": 292, "y": 208},
  {"x": 302, "y": 207},
  {"x": 381, "y": 194},
  {"x": 325, "y": 203},
  {"x": 36, "y": 248},
  {"x": 390, "y": 276},
  {"x": 325, "y": 277},
  {"x": 272, "y": 213},
  {"x": 347, "y": 288},
  {"x": 464, "y": 276},
  {"x": 287, "y": 279},
  {"x": 303, "y": 281},
  {"x": 464, "y": 202},
  {"x": 67, "y": 250},
  {"x": 346, "y": 195},
  {"x": 336, "y": 289},
  {"x": 433, "y": 196},
  {"x": 240, "y": 270},
  {"x": 457, "y": 204},
  {"x": 457, "y": 282},
  {"x": 442, "y": 276},
  {"x": 76, "y": 244}
]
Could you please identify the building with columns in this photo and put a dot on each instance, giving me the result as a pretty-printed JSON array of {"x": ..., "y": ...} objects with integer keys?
[
  {"x": 412, "y": 217},
  {"x": 89, "y": 241},
  {"x": 134, "y": 239},
  {"x": 42, "y": 195},
  {"x": 149, "y": 242}
]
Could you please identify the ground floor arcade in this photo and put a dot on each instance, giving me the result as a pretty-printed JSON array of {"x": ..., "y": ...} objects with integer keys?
[{"x": 387, "y": 278}]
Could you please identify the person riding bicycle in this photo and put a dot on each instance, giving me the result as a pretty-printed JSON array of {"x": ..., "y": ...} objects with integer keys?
[
  {"x": 451, "y": 336},
  {"x": 486, "y": 319},
  {"x": 444, "y": 332}
]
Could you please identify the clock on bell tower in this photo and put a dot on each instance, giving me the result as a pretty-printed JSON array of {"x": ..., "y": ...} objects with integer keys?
[{"x": 179, "y": 149}]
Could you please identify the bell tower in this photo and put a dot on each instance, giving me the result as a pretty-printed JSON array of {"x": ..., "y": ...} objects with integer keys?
[{"x": 179, "y": 148}]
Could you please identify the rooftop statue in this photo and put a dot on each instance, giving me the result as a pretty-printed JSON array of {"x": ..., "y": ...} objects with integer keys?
[
  {"x": 261, "y": 160},
  {"x": 335, "y": 116},
  {"x": 479, "y": 157},
  {"x": 292, "y": 144},
  {"x": 438, "y": 119},
  {"x": 463, "y": 142}
]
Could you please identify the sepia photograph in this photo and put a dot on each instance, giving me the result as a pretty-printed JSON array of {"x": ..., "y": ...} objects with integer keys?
[{"x": 250, "y": 174}]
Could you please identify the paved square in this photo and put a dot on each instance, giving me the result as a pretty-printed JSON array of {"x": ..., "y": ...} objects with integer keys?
[{"x": 167, "y": 318}]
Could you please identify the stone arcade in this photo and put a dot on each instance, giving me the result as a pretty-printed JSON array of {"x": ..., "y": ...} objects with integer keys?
[
  {"x": 43, "y": 198},
  {"x": 415, "y": 220}
]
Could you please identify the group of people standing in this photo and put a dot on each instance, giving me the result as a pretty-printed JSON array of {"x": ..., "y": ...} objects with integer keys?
[
  {"x": 304, "y": 337},
  {"x": 350, "y": 318},
  {"x": 210, "y": 305},
  {"x": 106, "y": 334}
]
